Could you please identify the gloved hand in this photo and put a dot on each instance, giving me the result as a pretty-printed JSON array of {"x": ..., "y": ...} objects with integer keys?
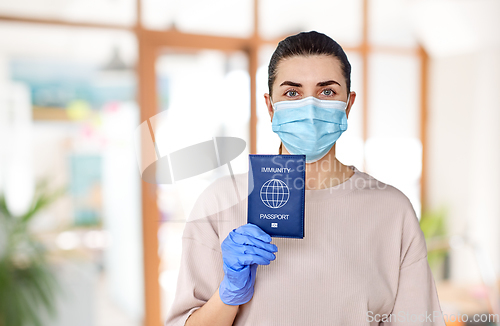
[{"x": 242, "y": 251}]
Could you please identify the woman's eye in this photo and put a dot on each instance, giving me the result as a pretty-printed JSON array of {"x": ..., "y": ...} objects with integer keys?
[
  {"x": 291, "y": 91},
  {"x": 329, "y": 92}
]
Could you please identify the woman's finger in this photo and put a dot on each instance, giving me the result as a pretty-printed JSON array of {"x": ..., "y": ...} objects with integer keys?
[
  {"x": 254, "y": 231},
  {"x": 257, "y": 251},
  {"x": 249, "y": 259},
  {"x": 250, "y": 240}
]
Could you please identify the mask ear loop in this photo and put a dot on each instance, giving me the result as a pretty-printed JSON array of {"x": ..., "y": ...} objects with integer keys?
[{"x": 281, "y": 143}]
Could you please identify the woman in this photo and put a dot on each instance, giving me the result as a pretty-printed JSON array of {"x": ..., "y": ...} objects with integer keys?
[{"x": 363, "y": 260}]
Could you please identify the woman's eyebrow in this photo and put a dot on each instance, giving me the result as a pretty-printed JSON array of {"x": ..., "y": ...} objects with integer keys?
[
  {"x": 324, "y": 83},
  {"x": 328, "y": 82}
]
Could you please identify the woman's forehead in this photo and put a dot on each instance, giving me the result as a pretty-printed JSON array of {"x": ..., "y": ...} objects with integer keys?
[{"x": 309, "y": 69}]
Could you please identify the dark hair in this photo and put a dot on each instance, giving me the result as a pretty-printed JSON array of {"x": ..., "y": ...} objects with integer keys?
[{"x": 308, "y": 43}]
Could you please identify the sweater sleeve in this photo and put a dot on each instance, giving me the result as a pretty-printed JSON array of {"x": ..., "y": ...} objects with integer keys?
[
  {"x": 416, "y": 302},
  {"x": 199, "y": 277},
  {"x": 200, "y": 271}
]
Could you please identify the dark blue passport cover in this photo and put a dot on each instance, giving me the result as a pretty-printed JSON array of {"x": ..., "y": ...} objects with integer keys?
[{"x": 276, "y": 194}]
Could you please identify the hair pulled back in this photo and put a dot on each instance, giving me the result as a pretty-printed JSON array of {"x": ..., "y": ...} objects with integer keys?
[{"x": 308, "y": 43}]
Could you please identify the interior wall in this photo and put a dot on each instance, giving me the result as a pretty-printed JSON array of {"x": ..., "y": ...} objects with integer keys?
[{"x": 464, "y": 154}]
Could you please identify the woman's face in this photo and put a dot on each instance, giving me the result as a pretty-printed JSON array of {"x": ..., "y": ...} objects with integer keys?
[{"x": 298, "y": 77}]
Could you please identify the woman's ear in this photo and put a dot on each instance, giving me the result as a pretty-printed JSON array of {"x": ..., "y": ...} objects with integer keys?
[
  {"x": 269, "y": 105},
  {"x": 352, "y": 98}
]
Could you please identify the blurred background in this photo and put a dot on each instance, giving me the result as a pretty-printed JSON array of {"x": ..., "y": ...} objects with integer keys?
[{"x": 84, "y": 241}]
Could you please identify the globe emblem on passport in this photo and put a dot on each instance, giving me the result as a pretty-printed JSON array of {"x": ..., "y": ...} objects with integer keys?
[{"x": 274, "y": 193}]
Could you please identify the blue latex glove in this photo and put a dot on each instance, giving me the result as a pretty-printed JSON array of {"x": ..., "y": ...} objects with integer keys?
[{"x": 242, "y": 251}]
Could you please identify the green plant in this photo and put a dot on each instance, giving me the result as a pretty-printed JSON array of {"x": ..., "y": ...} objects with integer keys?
[
  {"x": 433, "y": 225},
  {"x": 27, "y": 283}
]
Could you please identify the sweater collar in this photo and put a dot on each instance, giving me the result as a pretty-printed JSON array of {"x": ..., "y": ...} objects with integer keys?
[{"x": 338, "y": 190}]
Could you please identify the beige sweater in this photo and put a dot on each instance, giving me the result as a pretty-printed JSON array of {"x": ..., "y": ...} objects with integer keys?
[{"x": 363, "y": 256}]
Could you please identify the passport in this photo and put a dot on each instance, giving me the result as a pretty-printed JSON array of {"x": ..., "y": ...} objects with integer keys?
[{"x": 276, "y": 194}]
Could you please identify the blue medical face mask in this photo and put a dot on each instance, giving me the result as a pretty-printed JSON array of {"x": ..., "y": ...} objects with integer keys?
[{"x": 309, "y": 126}]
